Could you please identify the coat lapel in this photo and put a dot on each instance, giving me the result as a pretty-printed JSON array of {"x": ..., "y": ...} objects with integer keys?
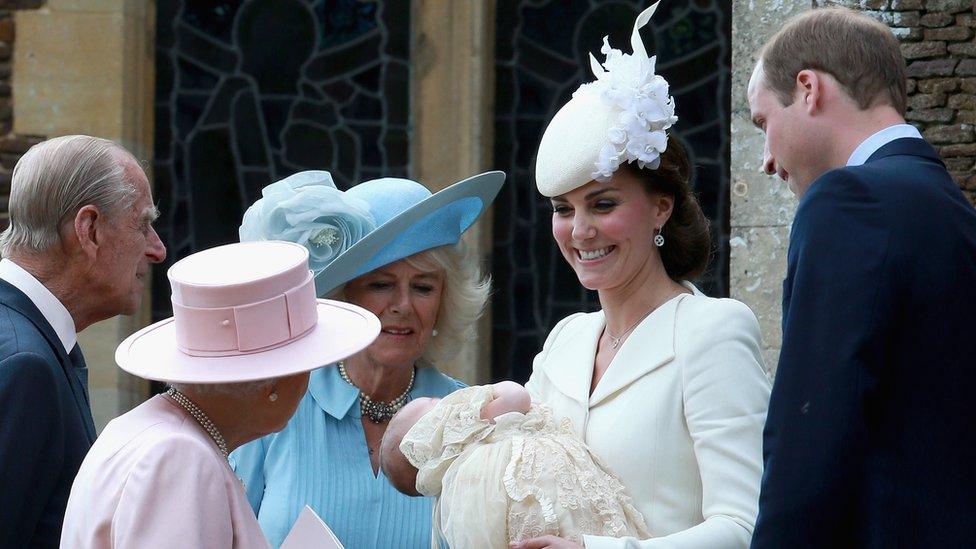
[
  {"x": 570, "y": 362},
  {"x": 18, "y": 301},
  {"x": 649, "y": 346}
]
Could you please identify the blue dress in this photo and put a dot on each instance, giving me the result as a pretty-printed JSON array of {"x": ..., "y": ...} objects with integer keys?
[{"x": 320, "y": 459}]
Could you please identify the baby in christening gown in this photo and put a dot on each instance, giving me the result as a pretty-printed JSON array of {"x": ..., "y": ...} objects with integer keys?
[{"x": 503, "y": 470}]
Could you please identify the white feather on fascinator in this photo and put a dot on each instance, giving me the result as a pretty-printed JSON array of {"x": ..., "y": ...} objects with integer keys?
[{"x": 622, "y": 116}]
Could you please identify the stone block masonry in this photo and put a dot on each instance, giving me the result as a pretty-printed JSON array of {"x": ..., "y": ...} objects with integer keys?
[
  {"x": 938, "y": 40},
  {"x": 11, "y": 146}
]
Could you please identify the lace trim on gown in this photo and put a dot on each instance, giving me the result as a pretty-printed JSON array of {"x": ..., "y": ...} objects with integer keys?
[
  {"x": 439, "y": 437},
  {"x": 552, "y": 483}
]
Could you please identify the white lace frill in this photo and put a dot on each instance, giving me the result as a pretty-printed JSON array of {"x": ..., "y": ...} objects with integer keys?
[
  {"x": 628, "y": 84},
  {"x": 521, "y": 477}
]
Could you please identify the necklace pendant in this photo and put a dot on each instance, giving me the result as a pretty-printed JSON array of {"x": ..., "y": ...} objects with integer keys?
[
  {"x": 375, "y": 417},
  {"x": 614, "y": 342}
]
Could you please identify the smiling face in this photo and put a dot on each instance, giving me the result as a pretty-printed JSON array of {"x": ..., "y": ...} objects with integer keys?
[
  {"x": 406, "y": 299},
  {"x": 131, "y": 245},
  {"x": 605, "y": 230},
  {"x": 788, "y": 151}
]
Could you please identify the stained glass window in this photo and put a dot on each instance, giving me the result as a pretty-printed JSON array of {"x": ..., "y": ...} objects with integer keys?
[{"x": 251, "y": 91}]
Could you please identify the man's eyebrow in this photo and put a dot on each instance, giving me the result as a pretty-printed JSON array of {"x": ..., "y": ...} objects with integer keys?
[{"x": 151, "y": 215}]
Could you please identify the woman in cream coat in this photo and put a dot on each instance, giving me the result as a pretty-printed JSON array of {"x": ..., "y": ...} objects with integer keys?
[
  {"x": 678, "y": 415},
  {"x": 666, "y": 385}
]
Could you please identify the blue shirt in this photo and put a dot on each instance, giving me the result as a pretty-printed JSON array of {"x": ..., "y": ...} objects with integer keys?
[{"x": 320, "y": 459}]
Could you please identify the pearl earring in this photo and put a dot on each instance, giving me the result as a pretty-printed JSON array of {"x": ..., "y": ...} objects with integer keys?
[
  {"x": 659, "y": 238},
  {"x": 273, "y": 396},
  {"x": 434, "y": 333}
]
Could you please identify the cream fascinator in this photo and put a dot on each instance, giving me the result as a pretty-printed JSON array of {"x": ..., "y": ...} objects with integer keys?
[{"x": 621, "y": 117}]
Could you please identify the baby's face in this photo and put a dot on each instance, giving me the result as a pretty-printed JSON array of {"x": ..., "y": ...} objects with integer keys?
[{"x": 396, "y": 467}]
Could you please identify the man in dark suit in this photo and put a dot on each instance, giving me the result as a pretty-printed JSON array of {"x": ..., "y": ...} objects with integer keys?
[
  {"x": 77, "y": 251},
  {"x": 869, "y": 439}
]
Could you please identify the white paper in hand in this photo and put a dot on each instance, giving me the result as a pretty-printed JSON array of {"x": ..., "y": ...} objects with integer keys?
[{"x": 310, "y": 532}]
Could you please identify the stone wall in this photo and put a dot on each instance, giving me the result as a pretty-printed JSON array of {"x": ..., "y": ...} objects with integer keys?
[
  {"x": 11, "y": 146},
  {"x": 938, "y": 43},
  {"x": 761, "y": 207}
]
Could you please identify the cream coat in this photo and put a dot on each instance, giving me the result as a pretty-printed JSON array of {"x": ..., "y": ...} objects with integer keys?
[{"x": 678, "y": 416}]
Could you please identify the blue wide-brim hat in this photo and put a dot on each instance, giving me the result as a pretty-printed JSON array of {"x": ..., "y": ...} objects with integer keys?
[{"x": 371, "y": 225}]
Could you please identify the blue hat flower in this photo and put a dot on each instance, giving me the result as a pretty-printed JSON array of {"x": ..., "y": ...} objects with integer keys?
[
  {"x": 308, "y": 209},
  {"x": 371, "y": 225}
]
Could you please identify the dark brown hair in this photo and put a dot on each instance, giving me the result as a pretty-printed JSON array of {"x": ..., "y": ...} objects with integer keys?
[
  {"x": 687, "y": 242},
  {"x": 859, "y": 52}
]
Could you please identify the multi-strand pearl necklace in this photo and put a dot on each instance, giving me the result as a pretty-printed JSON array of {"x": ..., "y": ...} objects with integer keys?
[
  {"x": 377, "y": 411},
  {"x": 201, "y": 418}
]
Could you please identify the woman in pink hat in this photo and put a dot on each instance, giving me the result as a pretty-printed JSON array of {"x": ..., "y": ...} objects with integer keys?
[
  {"x": 391, "y": 246},
  {"x": 246, "y": 330}
]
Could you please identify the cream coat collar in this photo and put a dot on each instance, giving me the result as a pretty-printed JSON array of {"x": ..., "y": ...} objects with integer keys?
[{"x": 648, "y": 347}]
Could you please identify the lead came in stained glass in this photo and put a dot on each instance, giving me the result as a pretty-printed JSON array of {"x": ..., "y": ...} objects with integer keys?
[{"x": 251, "y": 91}]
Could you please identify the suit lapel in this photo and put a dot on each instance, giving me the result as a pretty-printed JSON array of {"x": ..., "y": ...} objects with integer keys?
[
  {"x": 18, "y": 301},
  {"x": 649, "y": 346}
]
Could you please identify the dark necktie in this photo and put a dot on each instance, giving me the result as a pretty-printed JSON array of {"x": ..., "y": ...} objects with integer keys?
[{"x": 80, "y": 369}]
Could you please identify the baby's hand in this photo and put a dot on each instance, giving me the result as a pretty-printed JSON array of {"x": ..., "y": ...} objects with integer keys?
[{"x": 508, "y": 397}]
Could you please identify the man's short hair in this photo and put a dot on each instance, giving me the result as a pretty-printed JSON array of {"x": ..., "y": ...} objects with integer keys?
[
  {"x": 56, "y": 178},
  {"x": 861, "y": 53}
]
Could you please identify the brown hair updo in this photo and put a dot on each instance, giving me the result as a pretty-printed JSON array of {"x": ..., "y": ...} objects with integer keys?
[{"x": 687, "y": 242}]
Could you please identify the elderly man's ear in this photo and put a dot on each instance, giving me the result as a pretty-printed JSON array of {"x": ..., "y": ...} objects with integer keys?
[{"x": 88, "y": 229}]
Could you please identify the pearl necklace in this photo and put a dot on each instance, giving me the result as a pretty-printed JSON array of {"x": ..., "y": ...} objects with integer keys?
[
  {"x": 201, "y": 418},
  {"x": 377, "y": 411}
]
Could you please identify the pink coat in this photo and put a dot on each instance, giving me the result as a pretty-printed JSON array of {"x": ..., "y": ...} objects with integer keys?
[{"x": 155, "y": 479}]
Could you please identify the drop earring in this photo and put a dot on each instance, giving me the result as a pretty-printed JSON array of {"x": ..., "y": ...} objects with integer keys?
[{"x": 659, "y": 238}]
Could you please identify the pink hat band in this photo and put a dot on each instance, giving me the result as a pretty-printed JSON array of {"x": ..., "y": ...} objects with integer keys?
[{"x": 247, "y": 317}]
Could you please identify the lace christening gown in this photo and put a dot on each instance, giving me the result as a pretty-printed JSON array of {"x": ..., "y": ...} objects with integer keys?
[{"x": 521, "y": 477}]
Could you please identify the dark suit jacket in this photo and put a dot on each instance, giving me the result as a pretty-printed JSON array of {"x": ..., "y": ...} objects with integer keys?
[
  {"x": 45, "y": 424},
  {"x": 870, "y": 439}
]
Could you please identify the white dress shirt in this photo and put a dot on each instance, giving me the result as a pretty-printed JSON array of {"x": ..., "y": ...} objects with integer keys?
[
  {"x": 53, "y": 310},
  {"x": 879, "y": 139}
]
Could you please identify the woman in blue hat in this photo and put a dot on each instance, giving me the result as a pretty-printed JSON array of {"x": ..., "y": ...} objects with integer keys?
[{"x": 392, "y": 247}]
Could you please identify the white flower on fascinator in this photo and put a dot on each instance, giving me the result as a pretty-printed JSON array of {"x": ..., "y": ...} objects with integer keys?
[{"x": 627, "y": 83}]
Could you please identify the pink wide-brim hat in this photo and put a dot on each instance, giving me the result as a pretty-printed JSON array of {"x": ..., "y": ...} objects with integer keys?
[{"x": 245, "y": 312}]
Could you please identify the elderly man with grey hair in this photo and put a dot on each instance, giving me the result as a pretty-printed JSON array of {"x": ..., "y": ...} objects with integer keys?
[{"x": 78, "y": 249}]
